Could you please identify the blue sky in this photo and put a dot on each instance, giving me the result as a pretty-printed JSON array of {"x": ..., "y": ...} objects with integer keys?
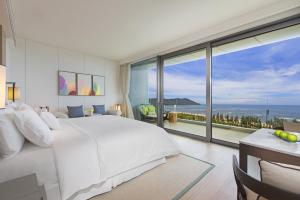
[{"x": 260, "y": 75}]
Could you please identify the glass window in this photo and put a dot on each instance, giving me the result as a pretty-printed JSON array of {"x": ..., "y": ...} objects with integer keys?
[
  {"x": 255, "y": 84},
  {"x": 185, "y": 92}
]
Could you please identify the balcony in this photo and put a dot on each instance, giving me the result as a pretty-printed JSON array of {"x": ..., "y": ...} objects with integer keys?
[{"x": 220, "y": 131}]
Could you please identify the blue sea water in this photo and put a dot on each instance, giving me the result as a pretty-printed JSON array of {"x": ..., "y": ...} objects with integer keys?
[{"x": 281, "y": 111}]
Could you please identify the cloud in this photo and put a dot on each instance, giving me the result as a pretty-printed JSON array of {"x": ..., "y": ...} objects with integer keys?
[
  {"x": 176, "y": 84},
  {"x": 295, "y": 69},
  {"x": 271, "y": 86}
]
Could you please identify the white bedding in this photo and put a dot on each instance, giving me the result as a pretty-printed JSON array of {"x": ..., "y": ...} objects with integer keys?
[{"x": 92, "y": 154}]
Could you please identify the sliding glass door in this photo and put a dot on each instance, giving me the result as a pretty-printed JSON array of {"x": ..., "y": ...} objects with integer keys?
[
  {"x": 255, "y": 83},
  {"x": 143, "y": 90},
  {"x": 226, "y": 89},
  {"x": 184, "y": 93}
]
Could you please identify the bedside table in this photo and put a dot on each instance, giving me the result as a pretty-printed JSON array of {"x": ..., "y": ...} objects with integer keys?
[
  {"x": 24, "y": 188},
  {"x": 115, "y": 112}
]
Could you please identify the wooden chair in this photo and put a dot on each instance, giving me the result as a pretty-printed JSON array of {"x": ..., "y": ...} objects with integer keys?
[{"x": 265, "y": 190}]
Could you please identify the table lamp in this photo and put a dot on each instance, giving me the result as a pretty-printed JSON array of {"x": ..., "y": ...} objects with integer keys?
[
  {"x": 118, "y": 109},
  {"x": 13, "y": 92}
]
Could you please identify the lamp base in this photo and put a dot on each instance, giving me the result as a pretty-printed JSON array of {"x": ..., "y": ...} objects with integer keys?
[{"x": 119, "y": 112}]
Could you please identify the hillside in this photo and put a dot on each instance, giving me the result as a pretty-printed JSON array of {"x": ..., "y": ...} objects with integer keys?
[{"x": 176, "y": 101}]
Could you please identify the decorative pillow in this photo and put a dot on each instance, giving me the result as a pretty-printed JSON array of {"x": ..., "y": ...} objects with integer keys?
[
  {"x": 11, "y": 140},
  {"x": 33, "y": 128},
  {"x": 144, "y": 109},
  {"x": 75, "y": 111},
  {"x": 151, "y": 110},
  {"x": 61, "y": 115},
  {"x": 50, "y": 120},
  {"x": 99, "y": 109},
  {"x": 283, "y": 176}
]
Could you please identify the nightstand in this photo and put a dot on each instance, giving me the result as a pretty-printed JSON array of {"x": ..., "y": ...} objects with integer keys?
[
  {"x": 24, "y": 188},
  {"x": 115, "y": 112}
]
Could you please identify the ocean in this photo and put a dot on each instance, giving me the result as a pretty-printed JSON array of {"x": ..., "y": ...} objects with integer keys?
[{"x": 280, "y": 111}]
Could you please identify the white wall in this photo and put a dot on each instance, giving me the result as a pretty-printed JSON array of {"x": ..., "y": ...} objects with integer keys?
[{"x": 34, "y": 67}]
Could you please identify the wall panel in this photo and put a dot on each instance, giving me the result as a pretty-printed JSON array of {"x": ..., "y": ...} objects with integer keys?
[{"x": 34, "y": 67}]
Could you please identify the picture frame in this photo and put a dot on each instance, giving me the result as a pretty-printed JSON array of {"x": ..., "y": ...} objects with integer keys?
[
  {"x": 67, "y": 85},
  {"x": 84, "y": 84},
  {"x": 98, "y": 85}
]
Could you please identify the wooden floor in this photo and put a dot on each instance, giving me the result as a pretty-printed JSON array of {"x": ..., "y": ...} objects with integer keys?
[{"x": 219, "y": 183}]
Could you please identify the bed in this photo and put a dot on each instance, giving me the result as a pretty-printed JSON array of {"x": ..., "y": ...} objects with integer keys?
[{"x": 91, "y": 155}]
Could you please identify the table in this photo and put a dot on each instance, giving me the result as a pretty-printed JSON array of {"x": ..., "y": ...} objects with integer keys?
[
  {"x": 23, "y": 188},
  {"x": 263, "y": 144},
  {"x": 172, "y": 117}
]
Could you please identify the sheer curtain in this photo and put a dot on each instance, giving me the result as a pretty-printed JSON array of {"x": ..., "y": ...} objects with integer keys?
[{"x": 125, "y": 86}]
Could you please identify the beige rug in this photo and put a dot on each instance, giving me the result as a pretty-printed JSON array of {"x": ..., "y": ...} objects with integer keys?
[{"x": 169, "y": 181}]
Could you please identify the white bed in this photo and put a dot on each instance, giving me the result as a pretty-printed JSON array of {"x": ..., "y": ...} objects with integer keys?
[{"x": 91, "y": 155}]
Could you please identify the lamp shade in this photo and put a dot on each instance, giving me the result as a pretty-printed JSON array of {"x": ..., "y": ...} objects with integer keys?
[
  {"x": 13, "y": 93},
  {"x": 2, "y": 86},
  {"x": 118, "y": 107}
]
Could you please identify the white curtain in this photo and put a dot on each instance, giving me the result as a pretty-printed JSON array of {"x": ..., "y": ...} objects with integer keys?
[{"x": 125, "y": 86}]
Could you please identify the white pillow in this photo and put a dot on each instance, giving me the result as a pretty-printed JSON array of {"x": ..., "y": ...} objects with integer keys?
[
  {"x": 11, "y": 140},
  {"x": 23, "y": 106},
  {"x": 283, "y": 176},
  {"x": 61, "y": 115},
  {"x": 33, "y": 127},
  {"x": 16, "y": 107},
  {"x": 50, "y": 120}
]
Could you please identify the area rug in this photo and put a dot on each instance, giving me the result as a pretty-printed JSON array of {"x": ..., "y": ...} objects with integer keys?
[{"x": 169, "y": 181}]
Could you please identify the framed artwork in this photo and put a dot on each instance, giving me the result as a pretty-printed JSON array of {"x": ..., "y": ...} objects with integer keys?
[
  {"x": 66, "y": 83},
  {"x": 84, "y": 85},
  {"x": 98, "y": 85}
]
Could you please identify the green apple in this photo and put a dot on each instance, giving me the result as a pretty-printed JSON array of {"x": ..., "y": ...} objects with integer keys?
[
  {"x": 284, "y": 135},
  {"x": 292, "y": 138},
  {"x": 277, "y": 132}
]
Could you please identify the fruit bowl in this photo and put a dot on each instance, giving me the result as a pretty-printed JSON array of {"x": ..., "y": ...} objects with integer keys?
[{"x": 287, "y": 136}]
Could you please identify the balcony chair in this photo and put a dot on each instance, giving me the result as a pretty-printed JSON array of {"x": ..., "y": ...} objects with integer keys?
[{"x": 148, "y": 113}]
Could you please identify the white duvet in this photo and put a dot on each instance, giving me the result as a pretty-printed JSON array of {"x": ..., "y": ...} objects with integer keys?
[{"x": 90, "y": 150}]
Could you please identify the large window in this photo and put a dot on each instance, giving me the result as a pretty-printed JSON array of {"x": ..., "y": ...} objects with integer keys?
[
  {"x": 255, "y": 83},
  {"x": 184, "y": 93},
  {"x": 226, "y": 89}
]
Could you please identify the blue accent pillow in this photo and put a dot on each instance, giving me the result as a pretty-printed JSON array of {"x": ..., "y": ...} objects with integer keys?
[
  {"x": 75, "y": 111},
  {"x": 99, "y": 109}
]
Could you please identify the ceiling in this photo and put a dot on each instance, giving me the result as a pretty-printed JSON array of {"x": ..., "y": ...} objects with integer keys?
[{"x": 123, "y": 29}]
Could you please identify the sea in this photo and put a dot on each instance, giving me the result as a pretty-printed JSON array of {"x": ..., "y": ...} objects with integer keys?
[{"x": 260, "y": 111}]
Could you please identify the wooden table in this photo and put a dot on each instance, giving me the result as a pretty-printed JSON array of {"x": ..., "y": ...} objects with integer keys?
[
  {"x": 263, "y": 144},
  {"x": 172, "y": 117}
]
